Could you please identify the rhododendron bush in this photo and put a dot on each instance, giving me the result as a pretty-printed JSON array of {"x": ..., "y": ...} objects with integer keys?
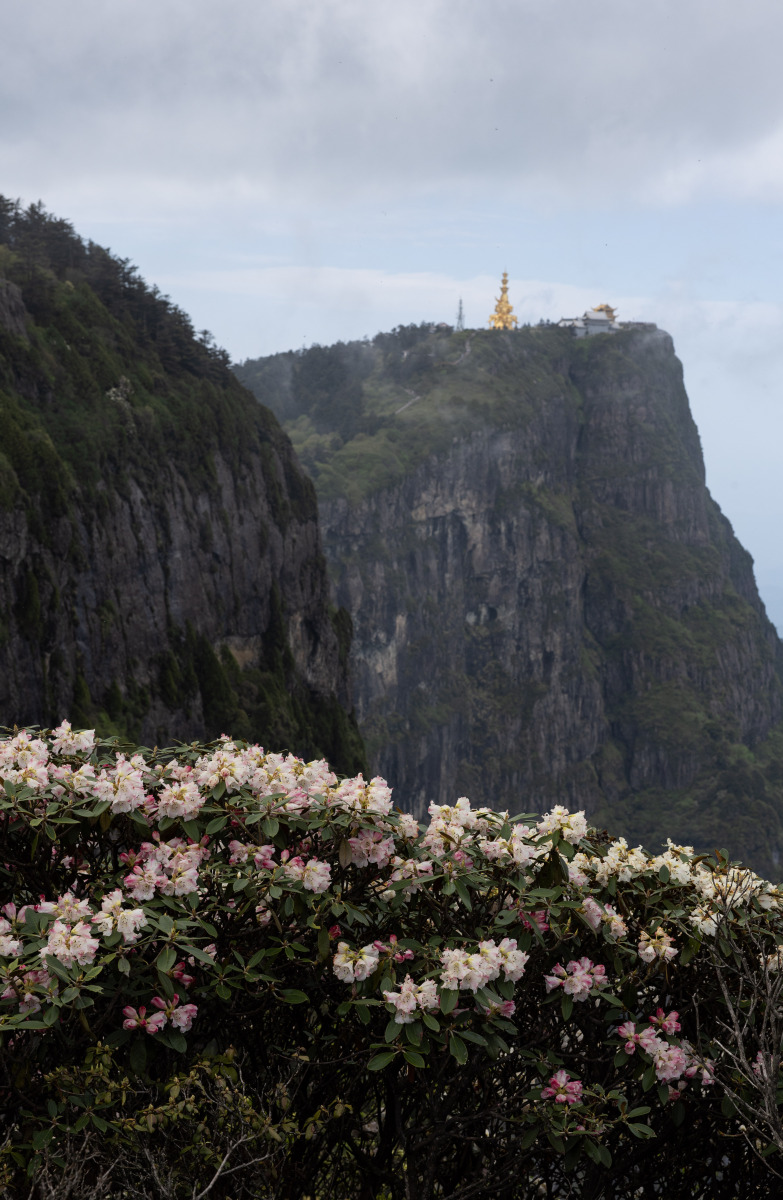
[{"x": 226, "y": 972}]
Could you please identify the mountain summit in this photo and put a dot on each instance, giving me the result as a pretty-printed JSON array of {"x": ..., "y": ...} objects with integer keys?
[{"x": 548, "y": 605}]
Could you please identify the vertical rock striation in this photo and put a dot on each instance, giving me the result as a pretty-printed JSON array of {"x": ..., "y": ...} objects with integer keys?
[
  {"x": 161, "y": 573},
  {"x": 548, "y": 605}
]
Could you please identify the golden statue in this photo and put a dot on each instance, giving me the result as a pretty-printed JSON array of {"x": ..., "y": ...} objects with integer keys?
[
  {"x": 606, "y": 308},
  {"x": 503, "y": 316}
]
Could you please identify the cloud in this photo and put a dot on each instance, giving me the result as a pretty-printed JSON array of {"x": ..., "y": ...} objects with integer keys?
[{"x": 189, "y": 102}]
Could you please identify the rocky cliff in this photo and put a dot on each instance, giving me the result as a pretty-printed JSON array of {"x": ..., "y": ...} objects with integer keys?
[
  {"x": 161, "y": 573},
  {"x": 547, "y": 603}
]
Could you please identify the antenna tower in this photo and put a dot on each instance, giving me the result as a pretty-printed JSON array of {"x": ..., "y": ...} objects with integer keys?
[{"x": 460, "y": 318}]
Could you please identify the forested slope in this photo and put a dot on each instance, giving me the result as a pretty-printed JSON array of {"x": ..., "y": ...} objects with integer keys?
[{"x": 161, "y": 574}]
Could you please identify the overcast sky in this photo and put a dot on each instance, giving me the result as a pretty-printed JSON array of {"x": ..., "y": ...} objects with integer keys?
[{"x": 293, "y": 171}]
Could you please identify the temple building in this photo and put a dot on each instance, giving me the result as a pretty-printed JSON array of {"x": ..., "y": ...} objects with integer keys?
[
  {"x": 601, "y": 319},
  {"x": 503, "y": 316}
]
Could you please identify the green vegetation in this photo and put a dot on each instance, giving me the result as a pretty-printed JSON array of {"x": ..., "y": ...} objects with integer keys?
[
  {"x": 195, "y": 1005},
  {"x": 107, "y": 393},
  {"x": 364, "y": 415}
]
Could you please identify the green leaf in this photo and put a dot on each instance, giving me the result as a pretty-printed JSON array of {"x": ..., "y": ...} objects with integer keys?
[
  {"x": 470, "y": 1036},
  {"x": 381, "y": 1060},
  {"x": 223, "y": 991},
  {"x": 610, "y": 999},
  {"x": 51, "y": 1016},
  {"x": 463, "y": 894},
  {"x": 413, "y": 1033},
  {"x": 192, "y": 829},
  {"x": 392, "y": 1030},
  {"x": 414, "y": 1058},
  {"x": 56, "y": 968},
  {"x": 215, "y": 825},
  {"x": 643, "y": 1131},
  {"x": 526, "y": 1141},
  {"x": 592, "y": 1151},
  {"x": 566, "y": 1006},
  {"x": 270, "y": 826},
  {"x": 648, "y": 1079},
  {"x": 448, "y": 1000},
  {"x": 431, "y": 1022},
  {"x": 458, "y": 1048},
  {"x": 664, "y": 874},
  {"x": 166, "y": 959},
  {"x": 294, "y": 996},
  {"x": 123, "y": 966},
  {"x": 556, "y": 1141},
  {"x": 165, "y": 984}
]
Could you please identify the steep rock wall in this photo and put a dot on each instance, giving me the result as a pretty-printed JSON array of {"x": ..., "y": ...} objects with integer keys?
[
  {"x": 161, "y": 573},
  {"x": 554, "y": 609}
]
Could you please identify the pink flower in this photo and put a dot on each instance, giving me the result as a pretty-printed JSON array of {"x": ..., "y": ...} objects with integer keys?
[
  {"x": 370, "y": 846},
  {"x": 666, "y": 1021},
  {"x": 181, "y": 1017},
  {"x": 315, "y": 876},
  {"x": 505, "y": 1008},
  {"x": 143, "y": 880},
  {"x": 72, "y": 944},
  {"x": 670, "y": 1062},
  {"x": 140, "y": 1020},
  {"x": 537, "y": 919},
  {"x": 561, "y": 1090},
  {"x": 178, "y": 972},
  {"x": 577, "y": 978}
]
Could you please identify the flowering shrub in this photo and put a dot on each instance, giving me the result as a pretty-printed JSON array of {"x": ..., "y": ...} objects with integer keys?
[{"x": 232, "y": 965}]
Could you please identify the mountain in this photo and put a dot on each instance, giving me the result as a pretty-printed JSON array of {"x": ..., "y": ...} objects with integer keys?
[
  {"x": 161, "y": 574},
  {"x": 547, "y": 603}
]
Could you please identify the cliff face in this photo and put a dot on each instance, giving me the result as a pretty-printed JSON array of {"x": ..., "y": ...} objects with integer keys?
[
  {"x": 161, "y": 573},
  {"x": 547, "y": 604}
]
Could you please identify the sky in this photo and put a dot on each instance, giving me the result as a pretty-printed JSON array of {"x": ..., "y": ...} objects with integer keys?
[{"x": 299, "y": 171}]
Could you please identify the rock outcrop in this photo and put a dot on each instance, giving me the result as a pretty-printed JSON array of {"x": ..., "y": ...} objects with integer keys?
[
  {"x": 547, "y": 604},
  {"x": 161, "y": 572}
]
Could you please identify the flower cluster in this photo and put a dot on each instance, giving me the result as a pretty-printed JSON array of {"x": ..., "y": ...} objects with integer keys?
[
  {"x": 562, "y": 1089},
  {"x": 657, "y": 945},
  {"x": 467, "y": 971},
  {"x": 221, "y": 872},
  {"x": 354, "y": 965},
  {"x": 410, "y": 997},
  {"x": 577, "y": 978},
  {"x": 180, "y": 1016}
]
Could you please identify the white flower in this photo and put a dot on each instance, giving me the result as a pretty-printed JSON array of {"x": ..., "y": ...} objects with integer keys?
[
  {"x": 349, "y": 965},
  {"x": 68, "y": 741},
  {"x": 410, "y": 997},
  {"x": 572, "y": 826}
]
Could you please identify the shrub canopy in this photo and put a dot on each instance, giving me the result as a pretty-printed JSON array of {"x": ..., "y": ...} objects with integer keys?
[{"x": 227, "y": 972}]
